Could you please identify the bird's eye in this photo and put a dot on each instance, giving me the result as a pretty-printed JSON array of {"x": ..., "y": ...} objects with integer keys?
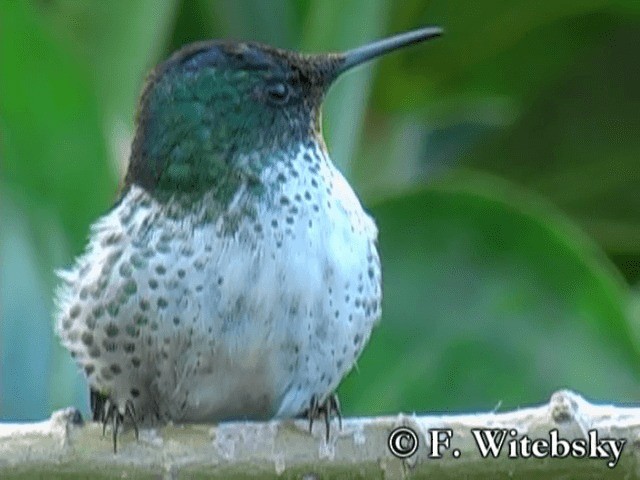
[{"x": 278, "y": 93}]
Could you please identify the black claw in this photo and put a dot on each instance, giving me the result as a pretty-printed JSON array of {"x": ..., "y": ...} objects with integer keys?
[
  {"x": 335, "y": 407},
  {"x": 106, "y": 415},
  {"x": 327, "y": 423},
  {"x": 117, "y": 419},
  {"x": 111, "y": 413},
  {"x": 129, "y": 410},
  {"x": 98, "y": 403},
  {"x": 329, "y": 407},
  {"x": 313, "y": 411}
]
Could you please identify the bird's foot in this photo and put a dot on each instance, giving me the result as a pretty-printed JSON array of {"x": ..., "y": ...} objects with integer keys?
[
  {"x": 106, "y": 411},
  {"x": 329, "y": 407}
]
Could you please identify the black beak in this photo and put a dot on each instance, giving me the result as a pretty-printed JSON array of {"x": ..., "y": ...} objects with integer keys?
[{"x": 375, "y": 49}]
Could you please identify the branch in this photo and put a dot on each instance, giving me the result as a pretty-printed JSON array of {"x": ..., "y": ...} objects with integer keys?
[{"x": 63, "y": 446}]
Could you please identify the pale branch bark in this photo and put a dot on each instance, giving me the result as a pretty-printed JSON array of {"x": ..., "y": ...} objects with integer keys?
[{"x": 59, "y": 447}]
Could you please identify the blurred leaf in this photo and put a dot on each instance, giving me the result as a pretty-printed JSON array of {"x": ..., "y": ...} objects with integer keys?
[
  {"x": 490, "y": 48},
  {"x": 35, "y": 375},
  {"x": 578, "y": 144},
  {"x": 270, "y": 21},
  {"x": 345, "y": 105},
  {"x": 490, "y": 297},
  {"x": 563, "y": 124},
  {"x": 121, "y": 42},
  {"x": 195, "y": 20},
  {"x": 53, "y": 149}
]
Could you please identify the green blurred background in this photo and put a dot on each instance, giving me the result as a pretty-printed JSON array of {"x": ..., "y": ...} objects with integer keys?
[{"x": 502, "y": 163}]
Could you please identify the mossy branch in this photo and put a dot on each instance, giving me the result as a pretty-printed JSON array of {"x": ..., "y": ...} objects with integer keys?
[{"x": 61, "y": 447}]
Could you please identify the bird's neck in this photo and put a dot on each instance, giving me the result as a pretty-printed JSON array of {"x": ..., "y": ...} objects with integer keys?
[{"x": 257, "y": 179}]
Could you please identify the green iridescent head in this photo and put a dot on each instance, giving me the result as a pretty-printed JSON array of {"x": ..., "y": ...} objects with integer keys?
[{"x": 213, "y": 103}]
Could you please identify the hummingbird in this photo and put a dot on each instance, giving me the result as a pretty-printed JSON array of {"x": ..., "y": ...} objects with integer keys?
[{"x": 237, "y": 276}]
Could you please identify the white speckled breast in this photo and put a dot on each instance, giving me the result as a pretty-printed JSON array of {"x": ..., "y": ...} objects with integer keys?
[{"x": 196, "y": 321}]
